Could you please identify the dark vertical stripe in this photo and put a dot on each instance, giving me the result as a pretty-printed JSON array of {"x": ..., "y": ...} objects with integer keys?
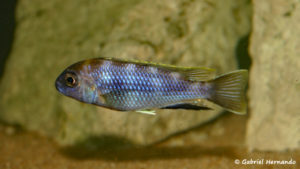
[{"x": 7, "y": 29}]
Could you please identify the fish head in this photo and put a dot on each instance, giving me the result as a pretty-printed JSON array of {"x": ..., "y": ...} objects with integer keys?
[{"x": 76, "y": 82}]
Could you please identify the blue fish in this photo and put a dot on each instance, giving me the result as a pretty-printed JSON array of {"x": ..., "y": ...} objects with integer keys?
[{"x": 142, "y": 86}]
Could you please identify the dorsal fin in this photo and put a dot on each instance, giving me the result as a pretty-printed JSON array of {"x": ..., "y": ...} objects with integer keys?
[
  {"x": 190, "y": 73},
  {"x": 198, "y": 73}
]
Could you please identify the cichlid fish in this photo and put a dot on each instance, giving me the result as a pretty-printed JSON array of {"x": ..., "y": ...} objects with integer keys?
[{"x": 141, "y": 86}]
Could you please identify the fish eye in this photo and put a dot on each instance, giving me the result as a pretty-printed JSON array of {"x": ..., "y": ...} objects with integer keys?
[{"x": 71, "y": 79}]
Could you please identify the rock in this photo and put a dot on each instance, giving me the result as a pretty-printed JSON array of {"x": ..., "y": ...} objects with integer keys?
[
  {"x": 275, "y": 77},
  {"x": 52, "y": 35}
]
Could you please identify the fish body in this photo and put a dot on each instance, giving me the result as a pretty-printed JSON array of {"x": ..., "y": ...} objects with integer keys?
[{"x": 137, "y": 86}]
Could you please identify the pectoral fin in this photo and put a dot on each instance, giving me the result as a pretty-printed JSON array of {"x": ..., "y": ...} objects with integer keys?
[{"x": 149, "y": 112}]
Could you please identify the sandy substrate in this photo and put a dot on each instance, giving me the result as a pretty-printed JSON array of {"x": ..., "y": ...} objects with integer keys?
[{"x": 218, "y": 144}]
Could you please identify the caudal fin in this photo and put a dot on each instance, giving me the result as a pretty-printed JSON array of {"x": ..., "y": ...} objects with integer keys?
[{"x": 229, "y": 91}]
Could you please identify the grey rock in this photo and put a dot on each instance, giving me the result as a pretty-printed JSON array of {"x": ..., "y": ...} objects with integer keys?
[
  {"x": 52, "y": 35},
  {"x": 274, "y": 93}
]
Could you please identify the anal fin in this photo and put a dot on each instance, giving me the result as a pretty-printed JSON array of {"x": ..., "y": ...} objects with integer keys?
[{"x": 186, "y": 106}]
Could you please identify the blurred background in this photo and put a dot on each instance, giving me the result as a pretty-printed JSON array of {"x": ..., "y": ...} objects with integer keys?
[{"x": 40, "y": 128}]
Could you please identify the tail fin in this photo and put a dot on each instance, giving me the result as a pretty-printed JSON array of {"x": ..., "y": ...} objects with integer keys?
[{"x": 229, "y": 91}]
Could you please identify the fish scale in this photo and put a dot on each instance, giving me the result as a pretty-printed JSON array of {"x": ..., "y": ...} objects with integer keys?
[{"x": 135, "y": 91}]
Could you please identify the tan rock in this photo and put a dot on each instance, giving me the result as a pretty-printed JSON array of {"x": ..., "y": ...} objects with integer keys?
[{"x": 274, "y": 93}]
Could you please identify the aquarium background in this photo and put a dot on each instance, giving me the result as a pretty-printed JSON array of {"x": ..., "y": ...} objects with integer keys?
[{"x": 41, "y": 128}]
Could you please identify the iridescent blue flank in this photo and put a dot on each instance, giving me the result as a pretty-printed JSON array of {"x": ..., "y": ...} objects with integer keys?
[{"x": 126, "y": 86}]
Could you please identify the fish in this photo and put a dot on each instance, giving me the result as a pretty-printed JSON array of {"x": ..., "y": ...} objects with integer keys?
[{"x": 128, "y": 85}]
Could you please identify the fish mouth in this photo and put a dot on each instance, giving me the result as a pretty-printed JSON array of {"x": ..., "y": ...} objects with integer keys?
[{"x": 58, "y": 85}]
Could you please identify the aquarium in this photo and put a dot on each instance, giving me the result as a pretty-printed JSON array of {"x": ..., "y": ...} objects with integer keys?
[{"x": 150, "y": 84}]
